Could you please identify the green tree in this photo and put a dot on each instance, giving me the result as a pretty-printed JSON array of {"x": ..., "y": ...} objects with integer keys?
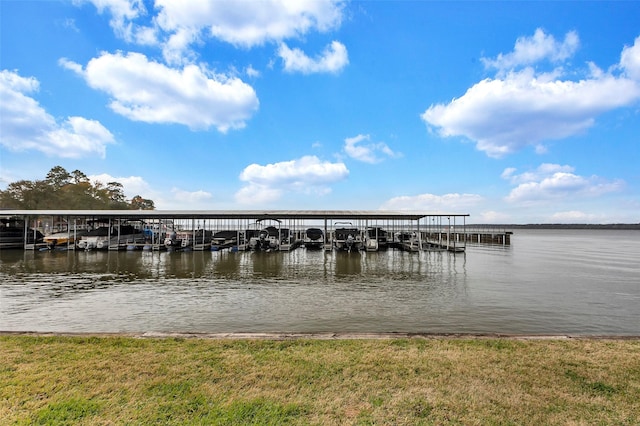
[
  {"x": 27, "y": 194},
  {"x": 78, "y": 196},
  {"x": 79, "y": 177},
  {"x": 58, "y": 177},
  {"x": 139, "y": 203},
  {"x": 64, "y": 190},
  {"x": 115, "y": 192}
]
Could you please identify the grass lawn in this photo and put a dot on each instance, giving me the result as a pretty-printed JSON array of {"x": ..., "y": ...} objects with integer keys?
[{"x": 127, "y": 380}]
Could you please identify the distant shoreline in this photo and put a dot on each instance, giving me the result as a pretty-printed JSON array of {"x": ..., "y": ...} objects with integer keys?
[{"x": 621, "y": 226}]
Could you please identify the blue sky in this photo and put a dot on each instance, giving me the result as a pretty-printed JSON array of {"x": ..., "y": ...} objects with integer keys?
[{"x": 513, "y": 112}]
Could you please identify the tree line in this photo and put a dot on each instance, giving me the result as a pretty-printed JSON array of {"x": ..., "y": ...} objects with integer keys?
[{"x": 61, "y": 190}]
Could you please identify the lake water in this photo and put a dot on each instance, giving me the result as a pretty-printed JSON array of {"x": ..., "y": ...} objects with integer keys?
[{"x": 579, "y": 282}]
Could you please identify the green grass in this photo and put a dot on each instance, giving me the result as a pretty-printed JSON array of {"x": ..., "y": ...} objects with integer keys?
[{"x": 123, "y": 380}]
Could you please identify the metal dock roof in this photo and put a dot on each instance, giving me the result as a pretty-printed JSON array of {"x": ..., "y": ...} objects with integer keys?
[{"x": 238, "y": 214}]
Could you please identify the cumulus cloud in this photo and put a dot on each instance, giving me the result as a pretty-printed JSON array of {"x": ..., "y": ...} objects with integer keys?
[
  {"x": 249, "y": 23},
  {"x": 144, "y": 90},
  {"x": 131, "y": 185},
  {"x": 308, "y": 174},
  {"x": 176, "y": 198},
  {"x": 524, "y": 107},
  {"x": 123, "y": 13},
  {"x": 491, "y": 216},
  {"x": 542, "y": 171},
  {"x": 186, "y": 198},
  {"x": 433, "y": 203},
  {"x": 255, "y": 194},
  {"x": 243, "y": 23},
  {"x": 368, "y": 152},
  {"x": 529, "y": 50},
  {"x": 551, "y": 182},
  {"x": 333, "y": 59},
  {"x": 26, "y": 125},
  {"x": 630, "y": 60}
]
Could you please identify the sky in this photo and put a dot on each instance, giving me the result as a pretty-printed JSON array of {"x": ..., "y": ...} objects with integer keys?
[{"x": 512, "y": 112}]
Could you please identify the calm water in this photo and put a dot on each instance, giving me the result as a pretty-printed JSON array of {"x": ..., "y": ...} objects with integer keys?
[{"x": 546, "y": 282}]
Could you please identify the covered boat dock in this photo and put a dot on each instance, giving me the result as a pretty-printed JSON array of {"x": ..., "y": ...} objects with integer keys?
[{"x": 408, "y": 230}]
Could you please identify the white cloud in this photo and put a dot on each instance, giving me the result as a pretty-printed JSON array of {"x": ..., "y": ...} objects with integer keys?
[
  {"x": 575, "y": 216},
  {"x": 256, "y": 195},
  {"x": 367, "y": 153},
  {"x": 131, "y": 185},
  {"x": 529, "y": 50},
  {"x": 252, "y": 72},
  {"x": 304, "y": 175},
  {"x": 249, "y": 23},
  {"x": 526, "y": 108},
  {"x": 25, "y": 125},
  {"x": 447, "y": 203},
  {"x": 186, "y": 198},
  {"x": 630, "y": 60},
  {"x": 491, "y": 216},
  {"x": 552, "y": 182},
  {"x": 544, "y": 170},
  {"x": 243, "y": 23},
  {"x": 177, "y": 26},
  {"x": 176, "y": 198},
  {"x": 70, "y": 65},
  {"x": 123, "y": 12},
  {"x": 151, "y": 92},
  {"x": 333, "y": 59}
]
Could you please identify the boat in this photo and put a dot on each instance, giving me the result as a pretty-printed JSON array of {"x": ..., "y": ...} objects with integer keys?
[
  {"x": 376, "y": 239},
  {"x": 15, "y": 234},
  {"x": 224, "y": 239},
  {"x": 288, "y": 240},
  {"x": 114, "y": 237},
  {"x": 244, "y": 239},
  {"x": 267, "y": 239},
  {"x": 196, "y": 239},
  {"x": 90, "y": 240},
  {"x": 347, "y": 239},
  {"x": 173, "y": 240},
  {"x": 314, "y": 238},
  {"x": 155, "y": 234},
  {"x": 65, "y": 238}
]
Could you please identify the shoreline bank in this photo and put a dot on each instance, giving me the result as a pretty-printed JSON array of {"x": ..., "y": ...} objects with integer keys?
[
  {"x": 322, "y": 335},
  {"x": 324, "y": 378}
]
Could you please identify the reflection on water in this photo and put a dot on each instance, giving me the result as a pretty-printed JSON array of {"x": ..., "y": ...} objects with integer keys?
[{"x": 543, "y": 283}]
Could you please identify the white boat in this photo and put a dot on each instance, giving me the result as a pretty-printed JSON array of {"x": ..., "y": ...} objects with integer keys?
[
  {"x": 267, "y": 239},
  {"x": 112, "y": 237},
  {"x": 347, "y": 239},
  {"x": 196, "y": 239},
  {"x": 64, "y": 239},
  {"x": 314, "y": 238},
  {"x": 92, "y": 238},
  {"x": 376, "y": 239}
]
